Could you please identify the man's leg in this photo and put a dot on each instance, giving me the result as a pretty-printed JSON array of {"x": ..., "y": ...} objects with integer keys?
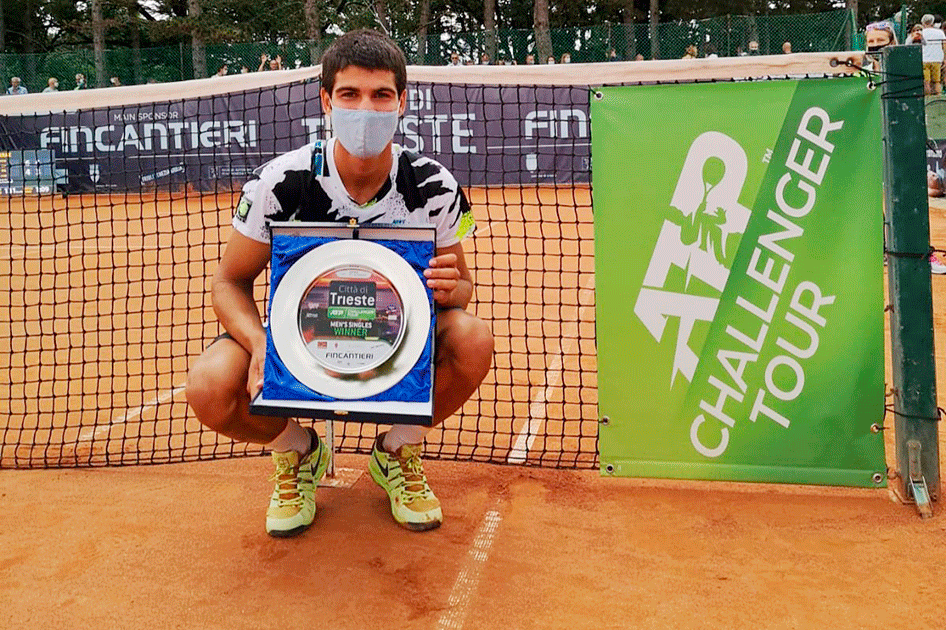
[
  {"x": 216, "y": 391},
  {"x": 464, "y": 355}
]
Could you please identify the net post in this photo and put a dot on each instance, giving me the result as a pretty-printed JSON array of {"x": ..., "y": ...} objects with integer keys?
[
  {"x": 908, "y": 241},
  {"x": 330, "y": 442}
]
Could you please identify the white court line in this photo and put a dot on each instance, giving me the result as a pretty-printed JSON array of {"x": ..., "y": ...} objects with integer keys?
[
  {"x": 537, "y": 410},
  {"x": 469, "y": 578},
  {"x": 91, "y": 433}
]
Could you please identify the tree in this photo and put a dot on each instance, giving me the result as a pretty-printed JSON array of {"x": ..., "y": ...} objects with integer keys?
[
  {"x": 489, "y": 22},
  {"x": 313, "y": 29},
  {"x": 543, "y": 39},
  {"x": 98, "y": 43},
  {"x": 423, "y": 21},
  {"x": 654, "y": 19},
  {"x": 198, "y": 51}
]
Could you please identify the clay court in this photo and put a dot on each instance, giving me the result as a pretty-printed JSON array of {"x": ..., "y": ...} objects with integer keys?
[{"x": 182, "y": 545}]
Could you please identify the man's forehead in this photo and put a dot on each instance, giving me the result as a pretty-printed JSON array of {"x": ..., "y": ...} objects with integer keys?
[{"x": 364, "y": 78}]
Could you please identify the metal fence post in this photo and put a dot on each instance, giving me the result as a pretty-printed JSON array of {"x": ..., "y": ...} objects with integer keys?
[{"x": 908, "y": 242}]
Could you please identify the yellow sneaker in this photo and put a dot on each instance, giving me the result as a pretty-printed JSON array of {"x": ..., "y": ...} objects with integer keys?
[
  {"x": 401, "y": 474},
  {"x": 292, "y": 505}
]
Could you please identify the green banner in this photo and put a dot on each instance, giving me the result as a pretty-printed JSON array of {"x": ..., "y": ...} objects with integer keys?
[{"x": 739, "y": 281}]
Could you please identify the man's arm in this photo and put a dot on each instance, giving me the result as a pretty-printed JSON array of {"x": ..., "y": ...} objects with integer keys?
[
  {"x": 450, "y": 278},
  {"x": 232, "y": 292}
]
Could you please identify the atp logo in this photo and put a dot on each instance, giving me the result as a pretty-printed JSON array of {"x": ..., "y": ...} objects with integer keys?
[{"x": 699, "y": 236}]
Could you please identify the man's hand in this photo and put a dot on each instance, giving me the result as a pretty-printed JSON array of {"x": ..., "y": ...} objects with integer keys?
[
  {"x": 443, "y": 276},
  {"x": 254, "y": 379}
]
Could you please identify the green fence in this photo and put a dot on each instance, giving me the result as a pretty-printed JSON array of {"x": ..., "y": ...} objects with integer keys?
[{"x": 728, "y": 35}]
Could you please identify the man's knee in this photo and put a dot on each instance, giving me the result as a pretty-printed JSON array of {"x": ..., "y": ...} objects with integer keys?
[
  {"x": 469, "y": 342},
  {"x": 214, "y": 383}
]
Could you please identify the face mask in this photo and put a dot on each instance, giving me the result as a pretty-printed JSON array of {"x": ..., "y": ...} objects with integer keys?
[
  {"x": 364, "y": 133},
  {"x": 873, "y": 49}
]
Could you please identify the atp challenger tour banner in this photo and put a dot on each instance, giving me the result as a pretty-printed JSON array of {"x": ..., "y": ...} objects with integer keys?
[
  {"x": 482, "y": 134},
  {"x": 739, "y": 281}
]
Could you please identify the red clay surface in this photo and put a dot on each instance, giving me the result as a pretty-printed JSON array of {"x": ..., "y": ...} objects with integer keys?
[{"x": 183, "y": 546}]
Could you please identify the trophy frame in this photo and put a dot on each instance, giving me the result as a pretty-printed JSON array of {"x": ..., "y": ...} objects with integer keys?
[{"x": 351, "y": 326}]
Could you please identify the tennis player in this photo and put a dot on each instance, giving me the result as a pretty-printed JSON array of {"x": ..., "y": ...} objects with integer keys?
[{"x": 358, "y": 174}]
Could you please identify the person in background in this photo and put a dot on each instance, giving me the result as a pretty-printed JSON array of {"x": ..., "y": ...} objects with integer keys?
[
  {"x": 878, "y": 36},
  {"x": 15, "y": 87},
  {"x": 115, "y": 81},
  {"x": 484, "y": 59},
  {"x": 916, "y": 35},
  {"x": 454, "y": 59},
  {"x": 934, "y": 47},
  {"x": 244, "y": 70},
  {"x": 80, "y": 82},
  {"x": 787, "y": 48},
  {"x": 566, "y": 58},
  {"x": 550, "y": 60},
  {"x": 222, "y": 71},
  {"x": 690, "y": 52},
  {"x": 52, "y": 85},
  {"x": 530, "y": 60},
  {"x": 753, "y": 47},
  {"x": 710, "y": 52},
  {"x": 613, "y": 55},
  {"x": 639, "y": 57},
  {"x": 265, "y": 63}
]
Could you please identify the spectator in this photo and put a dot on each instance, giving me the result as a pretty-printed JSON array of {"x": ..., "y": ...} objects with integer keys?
[
  {"x": 613, "y": 55},
  {"x": 690, "y": 53},
  {"x": 878, "y": 36},
  {"x": 916, "y": 35},
  {"x": 639, "y": 57},
  {"x": 265, "y": 63},
  {"x": 15, "y": 87},
  {"x": 115, "y": 81},
  {"x": 454, "y": 59},
  {"x": 222, "y": 72},
  {"x": 151, "y": 80},
  {"x": 484, "y": 59},
  {"x": 52, "y": 85},
  {"x": 710, "y": 51},
  {"x": 740, "y": 52},
  {"x": 80, "y": 82},
  {"x": 244, "y": 70},
  {"x": 530, "y": 60},
  {"x": 753, "y": 47},
  {"x": 787, "y": 48},
  {"x": 566, "y": 58},
  {"x": 551, "y": 60},
  {"x": 934, "y": 46}
]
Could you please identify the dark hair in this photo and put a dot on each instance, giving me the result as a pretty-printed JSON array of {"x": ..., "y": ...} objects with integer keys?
[{"x": 367, "y": 49}]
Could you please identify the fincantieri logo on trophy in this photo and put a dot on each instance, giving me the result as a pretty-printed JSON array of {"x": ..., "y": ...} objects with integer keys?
[{"x": 351, "y": 323}]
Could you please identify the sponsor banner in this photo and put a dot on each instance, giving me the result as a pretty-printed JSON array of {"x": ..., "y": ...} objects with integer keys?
[
  {"x": 725, "y": 283},
  {"x": 483, "y": 134}
]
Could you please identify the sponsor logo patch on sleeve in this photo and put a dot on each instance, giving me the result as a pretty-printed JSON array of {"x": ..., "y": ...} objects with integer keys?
[
  {"x": 466, "y": 225},
  {"x": 243, "y": 209}
]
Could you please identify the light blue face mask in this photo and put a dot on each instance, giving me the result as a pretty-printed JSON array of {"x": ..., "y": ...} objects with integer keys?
[{"x": 363, "y": 132}]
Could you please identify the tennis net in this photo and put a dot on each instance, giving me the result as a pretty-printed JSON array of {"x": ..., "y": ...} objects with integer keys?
[{"x": 117, "y": 204}]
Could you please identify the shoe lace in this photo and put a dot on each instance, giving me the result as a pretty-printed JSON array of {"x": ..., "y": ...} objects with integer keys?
[
  {"x": 286, "y": 474},
  {"x": 415, "y": 481}
]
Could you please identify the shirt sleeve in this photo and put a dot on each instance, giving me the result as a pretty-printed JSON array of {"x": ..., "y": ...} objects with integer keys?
[
  {"x": 255, "y": 204},
  {"x": 451, "y": 213}
]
